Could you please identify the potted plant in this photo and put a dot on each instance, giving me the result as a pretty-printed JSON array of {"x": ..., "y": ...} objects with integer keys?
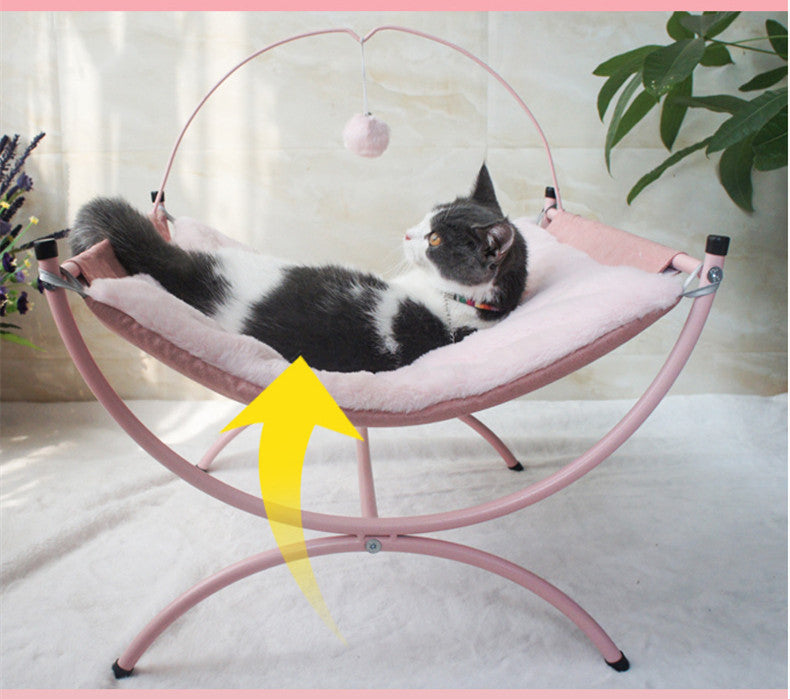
[
  {"x": 16, "y": 279},
  {"x": 754, "y": 134}
]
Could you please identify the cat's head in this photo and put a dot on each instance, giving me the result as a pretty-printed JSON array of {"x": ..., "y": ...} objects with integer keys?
[{"x": 465, "y": 241}]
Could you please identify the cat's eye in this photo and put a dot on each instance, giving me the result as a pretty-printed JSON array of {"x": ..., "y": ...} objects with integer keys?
[{"x": 434, "y": 239}]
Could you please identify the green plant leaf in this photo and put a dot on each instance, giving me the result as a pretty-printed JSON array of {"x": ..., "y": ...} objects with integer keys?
[
  {"x": 714, "y": 103},
  {"x": 717, "y": 22},
  {"x": 654, "y": 174},
  {"x": 636, "y": 111},
  {"x": 675, "y": 28},
  {"x": 735, "y": 172},
  {"x": 671, "y": 65},
  {"x": 673, "y": 112},
  {"x": 777, "y": 35},
  {"x": 763, "y": 80},
  {"x": 11, "y": 337},
  {"x": 631, "y": 60},
  {"x": 692, "y": 23},
  {"x": 619, "y": 69},
  {"x": 617, "y": 116},
  {"x": 716, "y": 55},
  {"x": 708, "y": 24},
  {"x": 748, "y": 119},
  {"x": 770, "y": 144},
  {"x": 609, "y": 90}
]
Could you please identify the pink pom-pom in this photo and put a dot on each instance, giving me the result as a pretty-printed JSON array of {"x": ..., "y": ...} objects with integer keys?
[{"x": 366, "y": 136}]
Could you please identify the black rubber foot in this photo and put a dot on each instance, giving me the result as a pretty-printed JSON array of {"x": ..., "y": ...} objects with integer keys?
[
  {"x": 516, "y": 466},
  {"x": 620, "y": 665},
  {"x": 120, "y": 672}
]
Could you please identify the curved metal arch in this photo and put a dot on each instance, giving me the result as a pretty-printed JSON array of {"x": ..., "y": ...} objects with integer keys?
[
  {"x": 362, "y": 41},
  {"x": 436, "y": 548}
]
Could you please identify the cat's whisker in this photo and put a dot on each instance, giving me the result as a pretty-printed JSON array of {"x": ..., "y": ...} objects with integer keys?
[{"x": 397, "y": 268}]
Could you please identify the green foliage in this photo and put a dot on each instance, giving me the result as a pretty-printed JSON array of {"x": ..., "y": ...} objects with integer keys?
[{"x": 754, "y": 134}]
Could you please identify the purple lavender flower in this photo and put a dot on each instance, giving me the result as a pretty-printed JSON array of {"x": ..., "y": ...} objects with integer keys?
[
  {"x": 20, "y": 161},
  {"x": 9, "y": 263},
  {"x": 15, "y": 274},
  {"x": 8, "y": 148},
  {"x": 24, "y": 182},
  {"x": 6, "y": 214}
]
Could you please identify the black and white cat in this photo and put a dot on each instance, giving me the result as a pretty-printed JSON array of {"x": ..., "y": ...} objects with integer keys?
[{"x": 468, "y": 269}]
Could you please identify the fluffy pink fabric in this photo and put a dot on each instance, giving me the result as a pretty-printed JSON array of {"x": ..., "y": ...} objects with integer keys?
[
  {"x": 366, "y": 135},
  {"x": 570, "y": 302}
]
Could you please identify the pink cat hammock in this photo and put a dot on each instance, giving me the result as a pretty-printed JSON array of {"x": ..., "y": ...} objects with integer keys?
[{"x": 591, "y": 288}]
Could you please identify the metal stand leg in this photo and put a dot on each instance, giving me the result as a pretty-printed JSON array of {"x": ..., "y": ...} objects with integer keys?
[
  {"x": 124, "y": 666},
  {"x": 512, "y": 462},
  {"x": 218, "y": 446},
  {"x": 367, "y": 490},
  {"x": 507, "y": 569}
]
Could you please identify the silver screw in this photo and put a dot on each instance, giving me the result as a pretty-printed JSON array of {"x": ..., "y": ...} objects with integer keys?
[
  {"x": 715, "y": 274},
  {"x": 373, "y": 546}
]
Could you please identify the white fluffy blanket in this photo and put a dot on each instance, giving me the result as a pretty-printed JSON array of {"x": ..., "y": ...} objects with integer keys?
[
  {"x": 571, "y": 300},
  {"x": 677, "y": 545}
]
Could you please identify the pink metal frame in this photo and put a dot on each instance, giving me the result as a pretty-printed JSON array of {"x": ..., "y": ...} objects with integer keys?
[
  {"x": 388, "y": 533},
  {"x": 370, "y": 532}
]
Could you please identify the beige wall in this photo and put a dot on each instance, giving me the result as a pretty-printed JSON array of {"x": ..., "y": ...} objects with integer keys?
[{"x": 264, "y": 161}]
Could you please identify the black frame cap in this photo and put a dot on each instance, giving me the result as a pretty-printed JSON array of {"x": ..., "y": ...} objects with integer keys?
[
  {"x": 717, "y": 245},
  {"x": 46, "y": 248}
]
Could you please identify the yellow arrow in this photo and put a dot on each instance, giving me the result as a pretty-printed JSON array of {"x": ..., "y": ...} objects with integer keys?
[{"x": 289, "y": 408}]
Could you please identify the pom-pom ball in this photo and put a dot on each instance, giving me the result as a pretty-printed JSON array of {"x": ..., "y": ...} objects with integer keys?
[{"x": 366, "y": 135}]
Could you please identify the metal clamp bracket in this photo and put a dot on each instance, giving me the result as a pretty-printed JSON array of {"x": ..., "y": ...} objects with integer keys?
[
  {"x": 68, "y": 281},
  {"x": 715, "y": 277}
]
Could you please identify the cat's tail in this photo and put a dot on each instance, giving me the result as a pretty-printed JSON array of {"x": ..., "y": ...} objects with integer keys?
[
  {"x": 135, "y": 241},
  {"x": 192, "y": 276}
]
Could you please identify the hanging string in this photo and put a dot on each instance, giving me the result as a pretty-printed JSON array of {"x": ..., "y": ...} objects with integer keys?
[{"x": 365, "y": 109}]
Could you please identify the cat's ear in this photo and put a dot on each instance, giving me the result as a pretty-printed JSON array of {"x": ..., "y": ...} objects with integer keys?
[
  {"x": 483, "y": 192},
  {"x": 499, "y": 238}
]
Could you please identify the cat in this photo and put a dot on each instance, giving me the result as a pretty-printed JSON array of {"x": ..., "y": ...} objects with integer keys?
[{"x": 467, "y": 270}]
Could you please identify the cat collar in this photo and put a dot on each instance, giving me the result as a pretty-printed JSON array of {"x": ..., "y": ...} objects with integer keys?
[{"x": 474, "y": 304}]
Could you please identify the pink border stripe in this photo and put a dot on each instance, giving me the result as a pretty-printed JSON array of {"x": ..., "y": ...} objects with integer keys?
[
  {"x": 384, "y": 5},
  {"x": 393, "y": 693}
]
